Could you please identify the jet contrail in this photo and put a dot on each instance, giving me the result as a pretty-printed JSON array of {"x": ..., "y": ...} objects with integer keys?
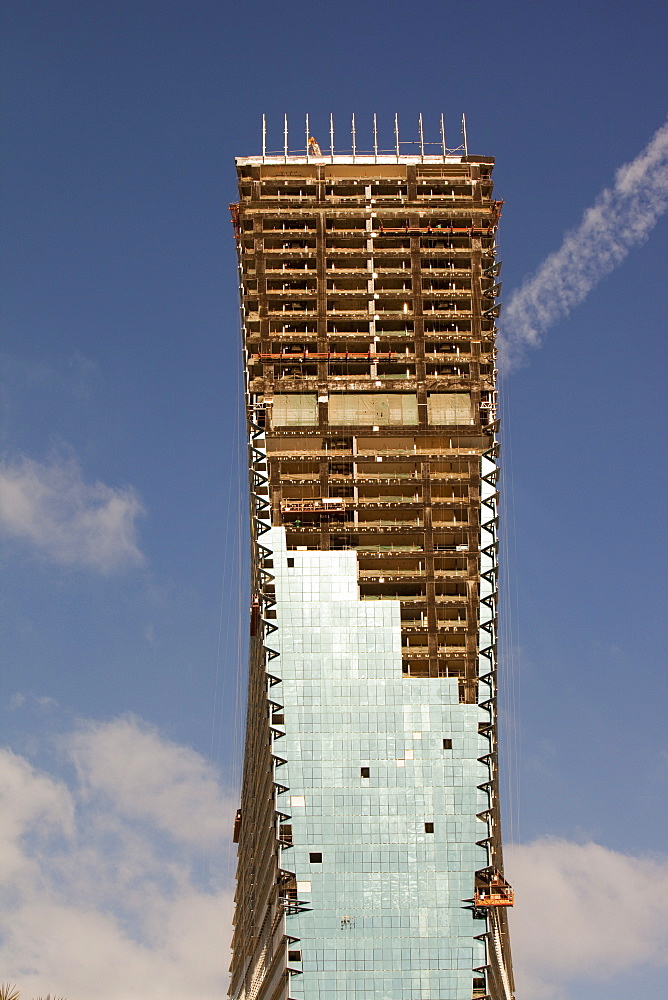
[{"x": 622, "y": 216}]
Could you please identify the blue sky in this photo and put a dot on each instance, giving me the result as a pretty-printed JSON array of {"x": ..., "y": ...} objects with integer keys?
[{"x": 123, "y": 512}]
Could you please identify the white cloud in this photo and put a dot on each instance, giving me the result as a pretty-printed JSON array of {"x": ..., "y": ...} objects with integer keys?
[
  {"x": 33, "y": 804},
  {"x": 111, "y": 894},
  {"x": 124, "y": 761},
  {"x": 584, "y": 911},
  {"x": 621, "y": 217},
  {"x": 41, "y": 703},
  {"x": 69, "y": 521}
]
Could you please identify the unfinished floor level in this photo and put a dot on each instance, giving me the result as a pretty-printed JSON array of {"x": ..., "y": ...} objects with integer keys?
[{"x": 370, "y": 862}]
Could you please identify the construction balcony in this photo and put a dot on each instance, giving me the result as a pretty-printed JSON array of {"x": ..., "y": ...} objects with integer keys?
[
  {"x": 460, "y": 306},
  {"x": 350, "y": 370},
  {"x": 287, "y": 348},
  {"x": 433, "y": 191},
  {"x": 451, "y": 495},
  {"x": 434, "y": 327},
  {"x": 447, "y": 221},
  {"x": 303, "y": 499},
  {"x": 450, "y": 532},
  {"x": 441, "y": 371},
  {"x": 378, "y": 349},
  {"x": 349, "y": 285},
  {"x": 307, "y": 264},
  {"x": 347, "y": 306},
  {"x": 285, "y": 302},
  {"x": 335, "y": 243},
  {"x": 348, "y": 266},
  {"x": 287, "y": 247},
  {"x": 392, "y": 284},
  {"x": 282, "y": 191},
  {"x": 287, "y": 286},
  {"x": 390, "y": 264},
  {"x": 445, "y": 268},
  {"x": 402, "y": 326},
  {"x": 437, "y": 446},
  {"x": 376, "y": 536},
  {"x": 347, "y": 365},
  {"x": 350, "y": 329},
  {"x": 349, "y": 193},
  {"x": 291, "y": 226},
  {"x": 346, "y": 224},
  {"x": 378, "y": 190},
  {"x": 305, "y": 379},
  {"x": 367, "y": 509},
  {"x": 321, "y": 519},
  {"x": 392, "y": 563},
  {"x": 446, "y": 351},
  {"x": 367, "y": 477},
  {"x": 447, "y": 258},
  {"x": 458, "y": 241},
  {"x": 384, "y": 305},
  {"x": 455, "y": 287},
  {"x": 392, "y": 245},
  {"x": 390, "y": 575},
  {"x": 445, "y": 669},
  {"x": 415, "y": 642},
  {"x": 305, "y": 373},
  {"x": 292, "y": 310}
]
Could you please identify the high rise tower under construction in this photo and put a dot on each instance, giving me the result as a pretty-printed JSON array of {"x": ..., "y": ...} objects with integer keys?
[{"x": 370, "y": 863}]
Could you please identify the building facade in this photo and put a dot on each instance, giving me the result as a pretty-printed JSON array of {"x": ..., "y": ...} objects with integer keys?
[{"x": 370, "y": 860}]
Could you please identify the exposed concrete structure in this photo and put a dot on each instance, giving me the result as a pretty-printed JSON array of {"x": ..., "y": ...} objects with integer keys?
[{"x": 370, "y": 862}]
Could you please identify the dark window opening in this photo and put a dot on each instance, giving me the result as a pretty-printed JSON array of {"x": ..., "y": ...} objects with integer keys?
[
  {"x": 429, "y": 828},
  {"x": 294, "y": 956},
  {"x": 365, "y": 772},
  {"x": 315, "y": 857},
  {"x": 447, "y": 744},
  {"x": 291, "y": 563}
]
